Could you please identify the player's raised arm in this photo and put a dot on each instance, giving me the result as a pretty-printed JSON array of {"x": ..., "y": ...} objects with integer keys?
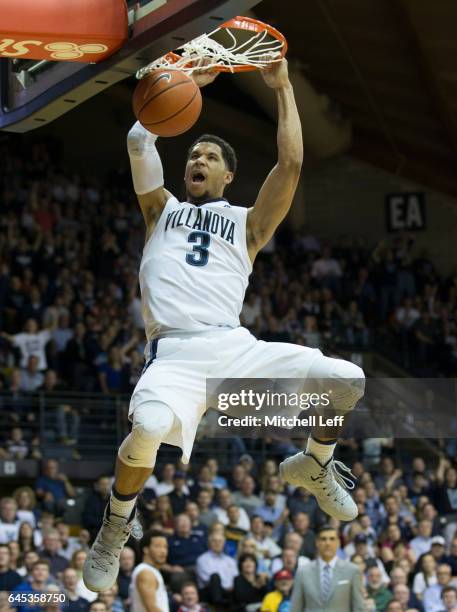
[
  {"x": 146, "y": 165},
  {"x": 147, "y": 174},
  {"x": 277, "y": 192}
]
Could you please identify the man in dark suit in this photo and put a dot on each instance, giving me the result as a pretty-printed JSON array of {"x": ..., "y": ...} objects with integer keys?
[{"x": 328, "y": 583}]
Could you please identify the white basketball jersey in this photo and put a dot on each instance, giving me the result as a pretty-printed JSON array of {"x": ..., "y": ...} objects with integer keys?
[
  {"x": 161, "y": 602},
  {"x": 195, "y": 268}
]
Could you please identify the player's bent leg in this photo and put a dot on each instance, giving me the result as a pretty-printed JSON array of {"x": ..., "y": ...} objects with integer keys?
[
  {"x": 315, "y": 469},
  {"x": 135, "y": 461}
]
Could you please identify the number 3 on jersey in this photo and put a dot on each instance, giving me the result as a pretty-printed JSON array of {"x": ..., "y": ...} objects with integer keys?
[{"x": 199, "y": 255}]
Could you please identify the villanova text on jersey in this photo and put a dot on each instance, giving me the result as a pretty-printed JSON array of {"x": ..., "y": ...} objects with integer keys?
[
  {"x": 202, "y": 220},
  {"x": 195, "y": 268}
]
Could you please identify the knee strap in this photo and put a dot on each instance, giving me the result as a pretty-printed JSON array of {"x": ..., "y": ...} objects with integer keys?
[
  {"x": 345, "y": 379},
  {"x": 151, "y": 425}
]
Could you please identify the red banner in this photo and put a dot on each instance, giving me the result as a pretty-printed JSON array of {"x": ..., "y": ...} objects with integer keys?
[{"x": 62, "y": 30}]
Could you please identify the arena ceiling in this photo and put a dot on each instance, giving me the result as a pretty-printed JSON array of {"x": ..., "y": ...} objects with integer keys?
[
  {"x": 375, "y": 78},
  {"x": 391, "y": 67}
]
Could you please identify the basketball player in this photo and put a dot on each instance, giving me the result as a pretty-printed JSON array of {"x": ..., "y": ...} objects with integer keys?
[
  {"x": 193, "y": 276},
  {"x": 147, "y": 590}
]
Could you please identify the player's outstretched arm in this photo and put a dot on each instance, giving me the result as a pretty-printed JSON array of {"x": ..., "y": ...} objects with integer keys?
[
  {"x": 146, "y": 165},
  {"x": 277, "y": 192}
]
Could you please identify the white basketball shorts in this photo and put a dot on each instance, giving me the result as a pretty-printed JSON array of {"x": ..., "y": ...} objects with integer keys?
[{"x": 177, "y": 368}]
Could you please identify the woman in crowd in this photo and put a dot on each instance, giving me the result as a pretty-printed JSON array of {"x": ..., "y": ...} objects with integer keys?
[
  {"x": 77, "y": 562},
  {"x": 400, "y": 555},
  {"x": 361, "y": 564},
  {"x": 388, "y": 539},
  {"x": 26, "y": 505},
  {"x": 249, "y": 546},
  {"x": 26, "y": 538},
  {"x": 250, "y": 586},
  {"x": 426, "y": 576},
  {"x": 269, "y": 468},
  {"x": 15, "y": 556},
  {"x": 162, "y": 516}
]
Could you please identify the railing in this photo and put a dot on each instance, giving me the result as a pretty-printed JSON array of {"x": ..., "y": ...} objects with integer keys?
[
  {"x": 91, "y": 426},
  {"x": 66, "y": 425},
  {"x": 85, "y": 431}
]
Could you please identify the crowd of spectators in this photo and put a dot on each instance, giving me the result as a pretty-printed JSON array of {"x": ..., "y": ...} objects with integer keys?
[
  {"x": 234, "y": 541},
  {"x": 70, "y": 319},
  {"x": 70, "y": 310},
  {"x": 69, "y": 302},
  {"x": 351, "y": 295}
]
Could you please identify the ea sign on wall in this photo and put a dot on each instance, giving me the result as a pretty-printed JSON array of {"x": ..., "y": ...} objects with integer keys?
[{"x": 405, "y": 212}]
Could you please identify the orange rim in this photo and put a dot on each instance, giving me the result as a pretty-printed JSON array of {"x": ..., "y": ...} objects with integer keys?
[{"x": 242, "y": 23}]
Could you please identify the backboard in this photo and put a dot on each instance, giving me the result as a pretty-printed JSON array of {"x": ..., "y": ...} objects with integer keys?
[{"x": 34, "y": 93}]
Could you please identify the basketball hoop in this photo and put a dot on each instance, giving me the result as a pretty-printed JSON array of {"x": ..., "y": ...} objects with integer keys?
[{"x": 238, "y": 45}]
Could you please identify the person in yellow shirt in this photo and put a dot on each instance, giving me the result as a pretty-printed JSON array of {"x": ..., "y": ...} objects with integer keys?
[{"x": 279, "y": 599}]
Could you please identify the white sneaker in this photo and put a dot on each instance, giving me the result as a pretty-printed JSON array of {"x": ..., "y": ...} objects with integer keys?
[
  {"x": 325, "y": 482},
  {"x": 102, "y": 564}
]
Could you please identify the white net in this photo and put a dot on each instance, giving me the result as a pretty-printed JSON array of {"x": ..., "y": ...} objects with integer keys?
[{"x": 257, "y": 51}]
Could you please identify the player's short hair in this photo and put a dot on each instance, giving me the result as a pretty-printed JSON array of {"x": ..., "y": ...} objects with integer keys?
[
  {"x": 228, "y": 152},
  {"x": 188, "y": 584},
  {"x": 150, "y": 535},
  {"x": 42, "y": 562},
  {"x": 325, "y": 527},
  {"x": 257, "y": 516},
  {"x": 389, "y": 496},
  {"x": 96, "y": 603}
]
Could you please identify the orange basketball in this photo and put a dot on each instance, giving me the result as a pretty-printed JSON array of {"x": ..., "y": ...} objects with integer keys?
[{"x": 167, "y": 102}]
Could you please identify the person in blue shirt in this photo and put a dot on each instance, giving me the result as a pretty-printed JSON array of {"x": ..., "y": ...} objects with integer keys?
[
  {"x": 53, "y": 487},
  {"x": 8, "y": 578},
  {"x": 270, "y": 511},
  {"x": 432, "y": 594},
  {"x": 39, "y": 583},
  {"x": 273, "y": 513},
  {"x": 218, "y": 482},
  {"x": 50, "y": 552},
  {"x": 74, "y": 603},
  {"x": 178, "y": 497},
  {"x": 184, "y": 547},
  {"x": 111, "y": 599},
  {"x": 198, "y": 528}
]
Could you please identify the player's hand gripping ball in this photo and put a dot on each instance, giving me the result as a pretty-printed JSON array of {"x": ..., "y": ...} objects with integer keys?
[{"x": 167, "y": 102}]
